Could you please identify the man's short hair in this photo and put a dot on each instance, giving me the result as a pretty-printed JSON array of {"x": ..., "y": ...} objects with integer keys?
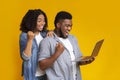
[{"x": 61, "y": 16}]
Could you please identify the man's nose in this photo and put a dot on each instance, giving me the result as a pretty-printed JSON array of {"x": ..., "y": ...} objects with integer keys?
[{"x": 69, "y": 27}]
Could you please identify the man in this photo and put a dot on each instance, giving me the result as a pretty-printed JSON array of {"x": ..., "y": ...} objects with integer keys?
[{"x": 57, "y": 54}]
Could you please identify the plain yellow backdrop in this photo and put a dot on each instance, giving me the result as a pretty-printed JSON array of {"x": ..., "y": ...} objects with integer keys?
[{"x": 93, "y": 20}]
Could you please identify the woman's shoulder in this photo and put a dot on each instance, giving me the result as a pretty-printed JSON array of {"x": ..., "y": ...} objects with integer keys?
[
  {"x": 43, "y": 33},
  {"x": 23, "y": 35}
]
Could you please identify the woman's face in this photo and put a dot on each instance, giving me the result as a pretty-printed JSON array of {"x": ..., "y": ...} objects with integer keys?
[{"x": 40, "y": 22}]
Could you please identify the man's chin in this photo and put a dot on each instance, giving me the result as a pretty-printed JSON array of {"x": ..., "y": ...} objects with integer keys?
[{"x": 65, "y": 37}]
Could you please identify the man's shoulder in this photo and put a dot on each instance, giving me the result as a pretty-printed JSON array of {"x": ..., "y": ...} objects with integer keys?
[
  {"x": 71, "y": 36},
  {"x": 48, "y": 39}
]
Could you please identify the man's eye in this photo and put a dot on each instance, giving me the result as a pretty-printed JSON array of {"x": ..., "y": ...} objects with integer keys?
[{"x": 68, "y": 25}]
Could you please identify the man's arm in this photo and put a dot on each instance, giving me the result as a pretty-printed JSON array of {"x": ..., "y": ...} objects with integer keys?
[
  {"x": 45, "y": 63},
  {"x": 80, "y": 54}
]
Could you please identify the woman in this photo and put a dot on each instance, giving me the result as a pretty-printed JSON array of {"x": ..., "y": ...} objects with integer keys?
[{"x": 33, "y": 27}]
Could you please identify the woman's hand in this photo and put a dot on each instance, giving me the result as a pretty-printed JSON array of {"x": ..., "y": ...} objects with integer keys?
[{"x": 50, "y": 33}]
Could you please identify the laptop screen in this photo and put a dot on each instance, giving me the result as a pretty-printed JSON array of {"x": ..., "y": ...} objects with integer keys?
[{"x": 97, "y": 48}]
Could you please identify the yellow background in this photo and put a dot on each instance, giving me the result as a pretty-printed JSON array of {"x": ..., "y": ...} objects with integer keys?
[{"x": 92, "y": 20}]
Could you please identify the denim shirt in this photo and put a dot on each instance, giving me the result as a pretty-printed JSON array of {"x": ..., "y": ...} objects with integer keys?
[
  {"x": 61, "y": 69},
  {"x": 29, "y": 64}
]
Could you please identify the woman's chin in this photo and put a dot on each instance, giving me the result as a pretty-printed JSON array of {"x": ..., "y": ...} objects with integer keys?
[{"x": 40, "y": 29}]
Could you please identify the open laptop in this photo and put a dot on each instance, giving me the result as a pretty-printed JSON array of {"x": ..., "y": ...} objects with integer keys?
[{"x": 94, "y": 53}]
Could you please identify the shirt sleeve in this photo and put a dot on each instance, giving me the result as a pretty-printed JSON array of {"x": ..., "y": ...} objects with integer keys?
[
  {"x": 44, "y": 49},
  {"x": 23, "y": 42},
  {"x": 79, "y": 53},
  {"x": 24, "y": 56}
]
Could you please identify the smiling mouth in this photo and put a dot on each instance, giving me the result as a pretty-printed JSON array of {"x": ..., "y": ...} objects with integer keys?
[
  {"x": 41, "y": 27},
  {"x": 66, "y": 33}
]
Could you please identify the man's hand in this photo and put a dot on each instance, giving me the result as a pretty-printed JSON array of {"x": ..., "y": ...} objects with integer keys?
[
  {"x": 45, "y": 63},
  {"x": 86, "y": 62},
  {"x": 59, "y": 48}
]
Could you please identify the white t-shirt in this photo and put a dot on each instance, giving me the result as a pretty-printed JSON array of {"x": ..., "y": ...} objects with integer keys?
[
  {"x": 39, "y": 72},
  {"x": 69, "y": 47}
]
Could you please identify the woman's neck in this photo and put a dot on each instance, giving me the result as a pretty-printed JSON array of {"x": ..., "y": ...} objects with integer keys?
[{"x": 36, "y": 33}]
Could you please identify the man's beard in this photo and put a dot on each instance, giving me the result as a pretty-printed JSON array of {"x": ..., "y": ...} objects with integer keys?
[{"x": 62, "y": 35}]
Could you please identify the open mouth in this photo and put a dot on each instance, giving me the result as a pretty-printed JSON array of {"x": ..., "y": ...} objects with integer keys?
[
  {"x": 66, "y": 33},
  {"x": 40, "y": 27}
]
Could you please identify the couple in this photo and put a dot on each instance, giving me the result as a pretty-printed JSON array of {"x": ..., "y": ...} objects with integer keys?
[{"x": 49, "y": 58}]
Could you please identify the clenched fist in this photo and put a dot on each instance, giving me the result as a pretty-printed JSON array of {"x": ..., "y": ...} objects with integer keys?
[
  {"x": 59, "y": 48},
  {"x": 30, "y": 35}
]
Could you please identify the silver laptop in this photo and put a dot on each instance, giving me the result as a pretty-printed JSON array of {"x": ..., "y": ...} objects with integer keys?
[{"x": 94, "y": 53}]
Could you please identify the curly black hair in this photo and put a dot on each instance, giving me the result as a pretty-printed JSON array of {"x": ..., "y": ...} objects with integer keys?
[
  {"x": 29, "y": 21},
  {"x": 61, "y": 16}
]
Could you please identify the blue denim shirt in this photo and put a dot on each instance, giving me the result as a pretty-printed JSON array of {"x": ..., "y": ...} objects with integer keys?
[
  {"x": 61, "y": 69},
  {"x": 29, "y": 64}
]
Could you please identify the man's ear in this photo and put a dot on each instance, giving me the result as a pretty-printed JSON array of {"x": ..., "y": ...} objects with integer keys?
[{"x": 58, "y": 25}]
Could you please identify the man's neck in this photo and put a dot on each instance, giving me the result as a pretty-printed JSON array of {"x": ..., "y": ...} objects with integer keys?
[{"x": 57, "y": 32}]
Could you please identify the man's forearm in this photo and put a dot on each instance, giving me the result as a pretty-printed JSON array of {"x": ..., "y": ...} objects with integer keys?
[{"x": 45, "y": 63}]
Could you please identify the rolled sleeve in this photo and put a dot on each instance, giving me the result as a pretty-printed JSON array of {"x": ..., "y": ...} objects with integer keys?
[
  {"x": 23, "y": 42},
  {"x": 24, "y": 56},
  {"x": 79, "y": 53}
]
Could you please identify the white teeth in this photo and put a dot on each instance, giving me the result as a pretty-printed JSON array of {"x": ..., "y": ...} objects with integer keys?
[
  {"x": 66, "y": 33},
  {"x": 41, "y": 26}
]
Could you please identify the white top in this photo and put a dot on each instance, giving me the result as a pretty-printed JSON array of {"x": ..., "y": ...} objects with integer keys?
[
  {"x": 69, "y": 47},
  {"x": 39, "y": 72}
]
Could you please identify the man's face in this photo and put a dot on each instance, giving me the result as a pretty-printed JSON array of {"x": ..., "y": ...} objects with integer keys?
[{"x": 65, "y": 27}]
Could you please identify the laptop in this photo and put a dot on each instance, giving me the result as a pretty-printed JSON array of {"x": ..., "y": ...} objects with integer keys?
[{"x": 94, "y": 53}]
